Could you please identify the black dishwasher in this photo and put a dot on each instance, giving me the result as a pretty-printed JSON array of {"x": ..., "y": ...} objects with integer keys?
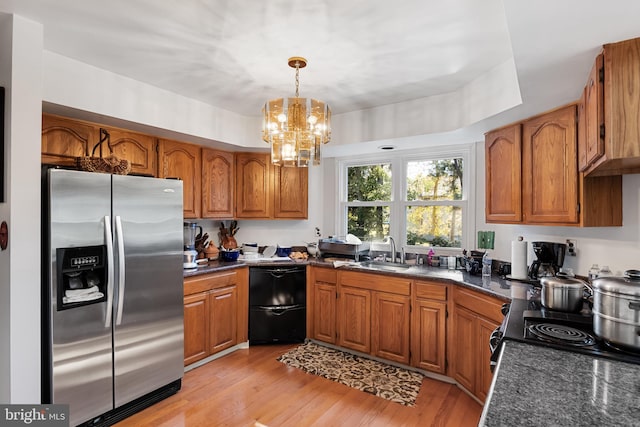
[{"x": 277, "y": 304}]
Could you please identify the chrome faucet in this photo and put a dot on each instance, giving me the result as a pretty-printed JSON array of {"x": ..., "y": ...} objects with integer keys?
[{"x": 392, "y": 244}]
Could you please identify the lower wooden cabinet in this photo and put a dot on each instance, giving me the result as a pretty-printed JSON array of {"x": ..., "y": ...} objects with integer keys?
[
  {"x": 223, "y": 324},
  {"x": 390, "y": 326},
  {"x": 406, "y": 321},
  {"x": 428, "y": 326},
  {"x": 354, "y": 328},
  {"x": 475, "y": 316},
  {"x": 374, "y": 314},
  {"x": 196, "y": 327},
  {"x": 215, "y": 313},
  {"x": 321, "y": 321}
]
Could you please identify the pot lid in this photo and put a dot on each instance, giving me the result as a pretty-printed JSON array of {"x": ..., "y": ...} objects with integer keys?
[
  {"x": 628, "y": 285},
  {"x": 562, "y": 282}
]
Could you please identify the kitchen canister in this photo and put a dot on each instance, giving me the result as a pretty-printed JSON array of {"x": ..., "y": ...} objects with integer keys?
[{"x": 519, "y": 269}]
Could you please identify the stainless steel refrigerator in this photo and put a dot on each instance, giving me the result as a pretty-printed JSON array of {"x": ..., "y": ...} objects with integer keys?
[{"x": 112, "y": 293}]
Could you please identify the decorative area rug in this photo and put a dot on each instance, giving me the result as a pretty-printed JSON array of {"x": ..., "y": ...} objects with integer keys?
[{"x": 382, "y": 380}]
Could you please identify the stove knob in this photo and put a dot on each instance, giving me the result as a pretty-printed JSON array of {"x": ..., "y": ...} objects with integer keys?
[{"x": 505, "y": 308}]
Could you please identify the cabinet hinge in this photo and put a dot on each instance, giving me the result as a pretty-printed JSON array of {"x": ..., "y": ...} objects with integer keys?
[
  {"x": 578, "y": 207},
  {"x": 446, "y": 364},
  {"x": 446, "y": 313},
  {"x": 602, "y": 131},
  {"x": 601, "y": 74}
]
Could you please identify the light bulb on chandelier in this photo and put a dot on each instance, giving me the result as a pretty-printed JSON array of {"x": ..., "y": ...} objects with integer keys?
[{"x": 296, "y": 127}]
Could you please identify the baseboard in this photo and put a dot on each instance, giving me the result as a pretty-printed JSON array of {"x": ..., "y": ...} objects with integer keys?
[{"x": 241, "y": 346}]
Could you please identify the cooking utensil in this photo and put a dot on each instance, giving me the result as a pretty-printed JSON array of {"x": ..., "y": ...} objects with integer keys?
[
  {"x": 616, "y": 309},
  {"x": 563, "y": 293}
]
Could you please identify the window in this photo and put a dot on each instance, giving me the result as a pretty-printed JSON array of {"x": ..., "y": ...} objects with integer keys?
[{"x": 421, "y": 199}]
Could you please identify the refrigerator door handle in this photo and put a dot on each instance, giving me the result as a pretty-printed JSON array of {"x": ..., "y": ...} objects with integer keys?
[
  {"x": 120, "y": 240},
  {"x": 108, "y": 237}
]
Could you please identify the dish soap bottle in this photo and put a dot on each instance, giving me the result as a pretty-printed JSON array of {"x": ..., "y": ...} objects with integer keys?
[
  {"x": 429, "y": 256},
  {"x": 486, "y": 265}
]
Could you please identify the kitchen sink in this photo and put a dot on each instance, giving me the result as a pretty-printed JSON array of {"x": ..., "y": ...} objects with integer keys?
[{"x": 385, "y": 266}]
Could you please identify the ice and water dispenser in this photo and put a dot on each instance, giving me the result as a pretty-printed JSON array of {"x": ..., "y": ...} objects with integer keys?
[{"x": 81, "y": 276}]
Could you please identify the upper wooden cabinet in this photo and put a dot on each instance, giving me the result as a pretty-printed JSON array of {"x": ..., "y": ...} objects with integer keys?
[
  {"x": 594, "y": 114},
  {"x": 264, "y": 191},
  {"x": 553, "y": 192},
  {"x": 290, "y": 192},
  {"x": 550, "y": 168},
  {"x": 138, "y": 148},
  {"x": 253, "y": 186},
  {"x": 613, "y": 113},
  {"x": 218, "y": 184},
  {"x": 63, "y": 140},
  {"x": 503, "y": 151},
  {"x": 182, "y": 161}
]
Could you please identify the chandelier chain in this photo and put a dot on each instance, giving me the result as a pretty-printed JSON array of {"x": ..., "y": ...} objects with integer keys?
[{"x": 297, "y": 78}]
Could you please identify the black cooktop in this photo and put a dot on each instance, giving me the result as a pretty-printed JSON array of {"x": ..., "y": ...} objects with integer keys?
[{"x": 527, "y": 321}]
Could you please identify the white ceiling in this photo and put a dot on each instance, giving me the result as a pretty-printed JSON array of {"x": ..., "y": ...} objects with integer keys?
[{"x": 233, "y": 54}]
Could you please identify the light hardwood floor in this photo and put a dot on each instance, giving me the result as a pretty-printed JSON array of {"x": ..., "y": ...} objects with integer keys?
[{"x": 251, "y": 388}]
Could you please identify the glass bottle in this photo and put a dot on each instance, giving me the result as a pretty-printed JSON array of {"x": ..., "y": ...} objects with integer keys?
[
  {"x": 605, "y": 271},
  {"x": 594, "y": 272}
]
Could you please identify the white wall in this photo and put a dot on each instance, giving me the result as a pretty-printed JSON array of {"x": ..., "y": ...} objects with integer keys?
[
  {"x": 81, "y": 86},
  {"x": 21, "y": 44},
  {"x": 617, "y": 247}
]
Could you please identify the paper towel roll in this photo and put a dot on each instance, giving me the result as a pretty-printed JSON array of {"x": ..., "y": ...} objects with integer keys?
[{"x": 519, "y": 259}]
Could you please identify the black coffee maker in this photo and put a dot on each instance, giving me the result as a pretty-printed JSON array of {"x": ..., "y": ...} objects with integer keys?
[{"x": 550, "y": 257}]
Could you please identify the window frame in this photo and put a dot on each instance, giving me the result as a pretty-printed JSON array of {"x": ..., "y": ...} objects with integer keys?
[{"x": 399, "y": 203}]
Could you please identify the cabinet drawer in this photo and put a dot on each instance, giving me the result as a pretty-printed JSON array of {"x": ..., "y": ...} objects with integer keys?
[
  {"x": 481, "y": 304},
  {"x": 433, "y": 291},
  {"x": 326, "y": 275},
  {"x": 206, "y": 282},
  {"x": 376, "y": 282}
]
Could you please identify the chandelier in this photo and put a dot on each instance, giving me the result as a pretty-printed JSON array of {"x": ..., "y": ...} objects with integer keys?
[{"x": 296, "y": 127}]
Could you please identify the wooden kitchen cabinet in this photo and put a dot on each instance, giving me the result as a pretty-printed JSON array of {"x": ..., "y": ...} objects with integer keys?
[
  {"x": 254, "y": 186},
  {"x": 63, "y": 140},
  {"x": 218, "y": 184},
  {"x": 223, "y": 308},
  {"x": 264, "y": 191},
  {"x": 503, "y": 157},
  {"x": 613, "y": 125},
  {"x": 428, "y": 326},
  {"x": 549, "y": 168},
  {"x": 322, "y": 307},
  {"x": 216, "y": 313},
  {"x": 196, "y": 326},
  {"x": 290, "y": 192},
  {"x": 354, "y": 330},
  {"x": 373, "y": 314},
  {"x": 390, "y": 326},
  {"x": 138, "y": 148},
  {"x": 553, "y": 192},
  {"x": 183, "y": 161},
  {"x": 475, "y": 316},
  {"x": 593, "y": 144}
]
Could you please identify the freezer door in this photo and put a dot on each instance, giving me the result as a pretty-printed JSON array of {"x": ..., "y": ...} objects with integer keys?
[
  {"x": 77, "y": 341},
  {"x": 148, "y": 303}
]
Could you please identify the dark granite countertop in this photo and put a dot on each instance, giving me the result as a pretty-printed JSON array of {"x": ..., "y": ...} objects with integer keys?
[
  {"x": 540, "y": 386},
  {"x": 496, "y": 287}
]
